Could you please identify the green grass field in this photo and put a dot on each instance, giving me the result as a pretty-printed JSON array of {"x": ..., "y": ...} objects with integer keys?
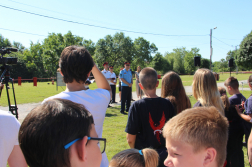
[{"x": 27, "y": 93}]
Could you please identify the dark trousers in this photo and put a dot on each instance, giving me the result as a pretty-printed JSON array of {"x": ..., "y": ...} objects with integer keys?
[
  {"x": 113, "y": 89},
  {"x": 125, "y": 97}
]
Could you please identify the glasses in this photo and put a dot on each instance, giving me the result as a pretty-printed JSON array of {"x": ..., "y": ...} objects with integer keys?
[
  {"x": 101, "y": 143},
  {"x": 127, "y": 65}
]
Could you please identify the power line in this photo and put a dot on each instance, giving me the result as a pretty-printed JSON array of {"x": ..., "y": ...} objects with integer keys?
[
  {"x": 91, "y": 25},
  {"x": 23, "y": 32},
  {"x": 187, "y": 45},
  {"x": 222, "y": 42},
  {"x": 66, "y": 14}
]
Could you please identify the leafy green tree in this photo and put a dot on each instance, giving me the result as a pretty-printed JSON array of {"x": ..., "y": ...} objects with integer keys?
[
  {"x": 53, "y": 45},
  {"x": 33, "y": 59},
  {"x": 170, "y": 58},
  {"x": 189, "y": 63},
  {"x": 20, "y": 69},
  {"x": 115, "y": 50},
  {"x": 178, "y": 65},
  {"x": 70, "y": 39},
  {"x": 223, "y": 65},
  {"x": 204, "y": 63},
  {"x": 216, "y": 66},
  {"x": 89, "y": 45},
  {"x": 143, "y": 51},
  {"x": 244, "y": 56},
  {"x": 160, "y": 64},
  {"x": 19, "y": 46},
  {"x": 4, "y": 42}
]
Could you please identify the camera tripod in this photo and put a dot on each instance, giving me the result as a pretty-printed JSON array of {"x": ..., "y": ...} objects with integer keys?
[{"x": 5, "y": 78}]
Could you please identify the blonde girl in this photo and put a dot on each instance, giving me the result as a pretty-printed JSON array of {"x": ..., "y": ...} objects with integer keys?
[{"x": 205, "y": 90}]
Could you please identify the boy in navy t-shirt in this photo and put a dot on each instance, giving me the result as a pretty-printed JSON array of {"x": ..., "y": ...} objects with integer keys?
[
  {"x": 237, "y": 127},
  {"x": 148, "y": 116}
]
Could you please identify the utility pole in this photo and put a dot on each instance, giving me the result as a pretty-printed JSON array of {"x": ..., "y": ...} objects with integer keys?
[
  {"x": 211, "y": 48},
  {"x": 235, "y": 58}
]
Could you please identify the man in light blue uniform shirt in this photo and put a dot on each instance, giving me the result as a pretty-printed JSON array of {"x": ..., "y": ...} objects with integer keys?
[{"x": 126, "y": 82}]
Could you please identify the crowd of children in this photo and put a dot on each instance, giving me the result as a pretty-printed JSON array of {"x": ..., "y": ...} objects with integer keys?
[{"x": 66, "y": 129}]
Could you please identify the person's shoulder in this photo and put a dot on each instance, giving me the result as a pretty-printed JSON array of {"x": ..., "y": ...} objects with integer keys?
[
  {"x": 6, "y": 114},
  {"x": 161, "y": 99},
  {"x": 197, "y": 104},
  {"x": 7, "y": 118},
  {"x": 250, "y": 98},
  {"x": 61, "y": 95},
  {"x": 99, "y": 92}
]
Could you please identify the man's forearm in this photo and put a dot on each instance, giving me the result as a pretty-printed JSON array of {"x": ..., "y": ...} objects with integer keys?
[{"x": 124, "y": 81}]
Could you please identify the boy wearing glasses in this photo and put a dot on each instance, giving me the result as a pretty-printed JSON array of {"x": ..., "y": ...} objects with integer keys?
[
  {"x": 76, "y": 64},
  {"x": 126, "y": 82},
  {"x": 60, "y": 133}
]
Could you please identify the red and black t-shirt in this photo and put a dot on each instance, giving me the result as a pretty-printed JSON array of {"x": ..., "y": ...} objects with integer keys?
[{"x": 146, "y": 120}]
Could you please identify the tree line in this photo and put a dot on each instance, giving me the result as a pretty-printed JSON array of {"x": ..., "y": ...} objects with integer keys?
[{"x": 41, "y": 58}]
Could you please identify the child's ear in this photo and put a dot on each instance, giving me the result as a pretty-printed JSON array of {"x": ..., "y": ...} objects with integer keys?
[
  {"x": 229, "y": 88},
  {"x": 157, "y": 83},
  {"x": 89, "y": 74},
  {"x": 250, "y": 85},
  {"x": 81, "y": 149},
  {"x": 141, "y": 86},
  {"x": 61, "y": 72},
  {"x": 210, "y": 156}
]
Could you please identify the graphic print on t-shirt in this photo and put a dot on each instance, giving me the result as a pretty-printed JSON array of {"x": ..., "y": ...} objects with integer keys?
[{"x": 157, "y": 127}]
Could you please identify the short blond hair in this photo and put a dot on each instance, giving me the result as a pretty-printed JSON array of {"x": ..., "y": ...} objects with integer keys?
[
  {"x": 205, "y": 89},
  {"x": 201, "y": 127},
  {"x": 132, "y": 157}
]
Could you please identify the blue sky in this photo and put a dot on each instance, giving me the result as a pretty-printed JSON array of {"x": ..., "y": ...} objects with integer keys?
[{"x": 181, "y": 17}]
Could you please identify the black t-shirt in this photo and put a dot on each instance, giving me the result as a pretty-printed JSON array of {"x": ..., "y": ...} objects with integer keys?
[
  {"x": 236, "y": 124},
  {"x": 236, "y": 99},
  {"x": 146, "y": 120}
]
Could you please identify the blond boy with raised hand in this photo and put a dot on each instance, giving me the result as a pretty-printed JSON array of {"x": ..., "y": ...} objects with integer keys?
[{"x": 196, "y": 137}]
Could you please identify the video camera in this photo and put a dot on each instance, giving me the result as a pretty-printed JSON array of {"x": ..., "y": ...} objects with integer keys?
[{"x": 8, "y": 60}]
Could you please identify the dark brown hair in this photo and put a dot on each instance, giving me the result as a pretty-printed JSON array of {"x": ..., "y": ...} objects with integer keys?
[
  {"x": 148, "y": 78},
  {"x": 75, "y": 64},
  {"x": 50, "y": 126},
  {"x": 232, "y": 82},
  {"x": 173, "y": 89}
]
